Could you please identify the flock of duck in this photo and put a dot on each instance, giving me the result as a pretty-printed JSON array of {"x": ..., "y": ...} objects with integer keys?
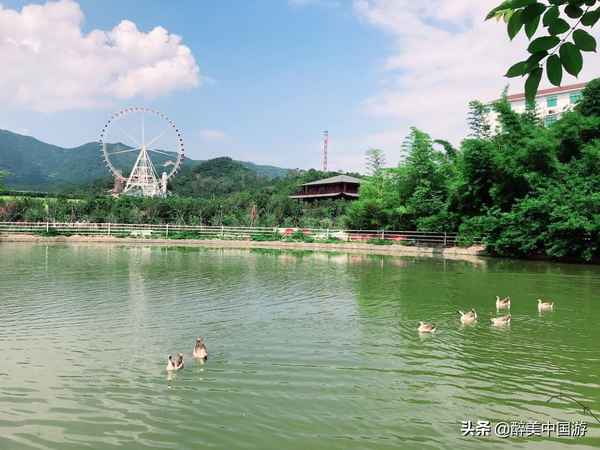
[
  {"x": 200, "y": 352},
  {"x": 470, "y": 317}
]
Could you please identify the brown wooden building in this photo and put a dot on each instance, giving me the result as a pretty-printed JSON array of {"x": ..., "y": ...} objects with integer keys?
[{"x": 341, "y": 186}]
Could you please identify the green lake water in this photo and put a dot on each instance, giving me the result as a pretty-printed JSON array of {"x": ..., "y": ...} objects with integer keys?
[{"x": 307, "y": 350}]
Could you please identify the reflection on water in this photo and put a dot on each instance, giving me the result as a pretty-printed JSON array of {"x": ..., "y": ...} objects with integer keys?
[{"x": 307, "y": 350}]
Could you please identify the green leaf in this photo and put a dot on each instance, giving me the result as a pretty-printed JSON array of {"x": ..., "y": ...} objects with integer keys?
[
  {"x": 554, "y": 70},
  {"x": 532, "y": 12},
  {"x": 543, "y": 43},
  {"x": 559, "y": 26},
  {"x": 514, "y": 24},
  {"x": 532, "y": 84},
  {"x": 534, "y": 59},
  {"x": 497, "y": 9},
  {"x": 514, "y": 4},
  {"x": 573, "y": 11},
  {"x": 571, "y": 58},
  {"x": 518, "y": 69},
  {"x": 551, "y": 15},
  {"x": 532, "y": 26},
  {"x": 506, "y": 15},
  {"x": 590, "y": 18},
  {"x": 509, "y": 4},
  {"x": 584, "y": 41}
]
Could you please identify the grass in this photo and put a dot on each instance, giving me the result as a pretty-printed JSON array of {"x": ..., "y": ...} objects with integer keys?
[
  {"x": 377, "y": 241},
  {"x": 190, "y": 235},
  {"x": 298, "y": 236},
  {"x": 266, "y": 237}
]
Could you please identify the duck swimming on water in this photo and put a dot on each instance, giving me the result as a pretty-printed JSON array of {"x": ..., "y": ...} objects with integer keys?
[
  {"x": 545, "y": 306},
  {"x": 179, "y": 364},
  {"x": 171, "y": 364},
  {"x": 501, "y": 321},
  {"x": 200, "y": 350},
  {"x": 468, "y": 317},
  {"x": 425, "y": 327},
  {"x": 503, "y": 303}
]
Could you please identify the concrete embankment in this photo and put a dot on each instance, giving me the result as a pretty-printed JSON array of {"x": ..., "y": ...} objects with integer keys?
[{"x": 349, "y": 247}]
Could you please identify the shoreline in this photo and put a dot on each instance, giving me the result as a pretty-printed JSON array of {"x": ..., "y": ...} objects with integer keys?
[{"x": 392, "y": 250}]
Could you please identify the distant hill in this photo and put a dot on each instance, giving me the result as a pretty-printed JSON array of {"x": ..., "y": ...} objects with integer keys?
[
  {"x": 36, "y": 165},
  {"x": 218, "y": 177}
]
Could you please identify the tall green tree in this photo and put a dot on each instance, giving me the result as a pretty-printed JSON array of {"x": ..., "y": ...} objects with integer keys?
[
  {"x": 375, "y": 160},
  {"x": 411, "y": 196},
  {"x": 477, "y": 119}
]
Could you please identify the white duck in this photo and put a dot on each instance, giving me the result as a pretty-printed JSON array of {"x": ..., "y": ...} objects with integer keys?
[
  {"x": 200, "y": 351},
  {"x": 170, "y": 365},
  {"x": 425, "y": 327},
  {"x": 468, "y": 317},
  {"x": 501, "y": 321},
  {"x": 503, "y": 303},
  {"x": 545, "y": 306}
]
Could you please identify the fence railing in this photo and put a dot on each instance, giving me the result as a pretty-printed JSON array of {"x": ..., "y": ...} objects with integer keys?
[{"x": 173, "y": 231}]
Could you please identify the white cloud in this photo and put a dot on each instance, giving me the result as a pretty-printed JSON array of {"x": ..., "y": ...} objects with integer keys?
[
  {"x": 49, "y": 64},
  {"x": 213, "y": 135},
  {"x": 445, "y": 55}
]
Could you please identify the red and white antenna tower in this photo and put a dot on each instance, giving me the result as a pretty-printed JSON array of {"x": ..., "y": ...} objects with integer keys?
[{"x": 325, "y": 144}]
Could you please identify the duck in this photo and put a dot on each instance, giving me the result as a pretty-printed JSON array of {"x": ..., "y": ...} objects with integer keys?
[
  {"x": 170, "y": 364},
  {"x": 545, "y": 306},
  {"x": 200, "y": 350},
  {"x": 500, "y": 321},
  {"x": 425, "y": 327},
  {"x": 179, "y": 364},
  {"x": 503, "y": 303},
  {"x": 468, "y": 317}
]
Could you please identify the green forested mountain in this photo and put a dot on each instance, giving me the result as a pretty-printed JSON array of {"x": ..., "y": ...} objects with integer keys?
[{"x": 36, "y": 165}]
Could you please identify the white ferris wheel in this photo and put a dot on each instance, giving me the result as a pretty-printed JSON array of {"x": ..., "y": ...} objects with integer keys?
[{"x": 138, "y": 144}]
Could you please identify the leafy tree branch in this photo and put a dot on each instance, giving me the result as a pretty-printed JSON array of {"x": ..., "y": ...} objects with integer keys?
[{"x": 560, "y": 42}]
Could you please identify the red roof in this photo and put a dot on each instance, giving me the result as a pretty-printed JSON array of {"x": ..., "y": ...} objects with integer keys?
[{"x": 543, "y": 92}]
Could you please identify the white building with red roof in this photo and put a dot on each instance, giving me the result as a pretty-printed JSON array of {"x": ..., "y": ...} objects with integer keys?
[{"x": 551, "y": 103}]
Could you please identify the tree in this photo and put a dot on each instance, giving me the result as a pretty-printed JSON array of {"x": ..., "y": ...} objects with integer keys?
[
  {"x": 477, "y": 119},
  {"x": 531, "y": 113},
  {"x": 589, "y": 105},
  {"x": 375, "y": 160},
  {"x": 560, "y": 43}
]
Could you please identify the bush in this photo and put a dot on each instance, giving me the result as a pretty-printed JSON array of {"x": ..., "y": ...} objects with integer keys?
[
  {"x": 299, "y": 236},
  {"x": 331, "y": 240}
]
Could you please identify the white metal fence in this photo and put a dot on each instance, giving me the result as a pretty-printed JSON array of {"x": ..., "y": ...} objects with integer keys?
[{"x": 170, "y": 231}]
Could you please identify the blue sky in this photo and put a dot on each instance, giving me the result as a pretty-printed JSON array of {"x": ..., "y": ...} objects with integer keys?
[{"x": 272, "y": 74}]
